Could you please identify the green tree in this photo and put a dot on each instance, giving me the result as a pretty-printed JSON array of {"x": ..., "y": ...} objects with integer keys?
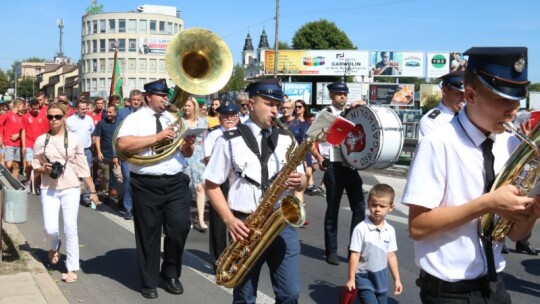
[
  {"x": 283, "y": 45},
  {"x": 4, "y": 82},
  {"x": 321, "y": 35},
  {"x": 25, "y": 87},
  {"x": 534, "y": 87},
  {"x": 237, "y": 81}
]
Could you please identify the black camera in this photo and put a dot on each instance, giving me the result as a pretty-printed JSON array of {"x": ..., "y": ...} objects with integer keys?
[{"x": 56, "y": 169}]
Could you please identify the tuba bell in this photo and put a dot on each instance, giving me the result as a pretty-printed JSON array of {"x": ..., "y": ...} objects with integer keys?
[
  {"x": 200, "y": 63},
  {"x": 521, "y": 170}
]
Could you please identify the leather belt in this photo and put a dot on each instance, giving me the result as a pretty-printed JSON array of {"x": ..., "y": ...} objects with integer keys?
[
  {"x": 429, "y": 282},
  {"x": 160, "y": 176},
  {"x": 240, "y": 215}
]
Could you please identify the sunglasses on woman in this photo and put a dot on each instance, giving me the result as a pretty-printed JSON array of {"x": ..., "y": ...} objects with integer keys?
[{"x": 57, "y": 117}]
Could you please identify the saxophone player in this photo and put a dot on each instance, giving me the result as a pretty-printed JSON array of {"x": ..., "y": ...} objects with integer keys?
[
  {"x": 448, "y": 186},
  {"x": 249, "y": 157}
]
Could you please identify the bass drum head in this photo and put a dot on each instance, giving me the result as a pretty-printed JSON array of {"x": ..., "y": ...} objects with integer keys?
[{"x": 375, "y": 141}]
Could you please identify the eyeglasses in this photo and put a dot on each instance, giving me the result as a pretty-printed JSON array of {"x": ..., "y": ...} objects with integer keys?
[
  {"x": 244, "y": 105},
  {"x": 57, "y": 117},
  {"x": 299, "y": 107}
]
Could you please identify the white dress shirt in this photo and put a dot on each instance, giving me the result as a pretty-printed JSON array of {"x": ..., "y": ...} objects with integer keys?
[{"x": 143, "y": 123}]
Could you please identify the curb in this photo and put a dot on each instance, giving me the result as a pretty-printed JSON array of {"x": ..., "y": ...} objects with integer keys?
[{"x": 48, "y": 288}]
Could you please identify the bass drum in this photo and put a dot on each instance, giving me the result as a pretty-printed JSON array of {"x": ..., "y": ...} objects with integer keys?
[{"x": 376, "y": 140}]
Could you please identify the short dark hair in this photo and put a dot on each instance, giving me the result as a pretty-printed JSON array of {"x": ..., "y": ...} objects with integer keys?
[
  {"x": 79, "y": 102},
  {"x": 382, "y": 190},
  {"x": 34, "y": 102}
]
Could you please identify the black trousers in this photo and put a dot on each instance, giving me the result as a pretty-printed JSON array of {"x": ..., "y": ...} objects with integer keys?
[
  {"x": 336, "y": 179},
  {"x": 217, "y": 229},
  {"x": 160, "y": 202}
]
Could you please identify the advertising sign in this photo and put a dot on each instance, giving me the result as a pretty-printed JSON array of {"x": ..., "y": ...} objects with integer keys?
[
  {"x": 298, "y": 90},
  {"x": 391, "y": 94},
  {"x": 392, "y": 63},
  {"x": 430, "y": 91},
  {"x": 438, "y": 64},
  {"x": 323, "y": 95},
  {"x": 154, "y": 46},
  {"x": 318, "y": 62}
]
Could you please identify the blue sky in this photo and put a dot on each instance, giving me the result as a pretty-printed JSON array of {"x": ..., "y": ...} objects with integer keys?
[{"x": 29, "y": 26}]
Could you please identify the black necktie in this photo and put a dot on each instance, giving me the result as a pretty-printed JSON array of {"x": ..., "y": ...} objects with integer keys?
[
  {"x": 159, "y": 127},
  {"x": 489, "y": 159},
  {"x": 264, "y": 157}
]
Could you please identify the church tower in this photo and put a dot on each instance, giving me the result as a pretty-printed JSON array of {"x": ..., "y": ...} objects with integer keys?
[
  {"x": 248, "y": 53},
  {"x": 263, "y": 45}
]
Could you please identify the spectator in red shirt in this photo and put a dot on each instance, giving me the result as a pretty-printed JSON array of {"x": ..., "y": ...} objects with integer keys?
[
  {"x": 100, "y": 103},
  {"x": 42, "y": 98},
  {"x": 33, "y": 126},
  {"x": 64, "y": 100},
  {"x": 12, "y": 135},
  {"x": 92, "y": 113},
  {"x": 3, "y": 111}
]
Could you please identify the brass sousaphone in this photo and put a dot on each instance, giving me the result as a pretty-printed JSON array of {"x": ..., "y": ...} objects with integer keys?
[{"x": 200, "y": 63}]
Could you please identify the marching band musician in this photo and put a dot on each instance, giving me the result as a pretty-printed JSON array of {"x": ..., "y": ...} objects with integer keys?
[
  {"x": 451, "y": 103},
  {"x": 235, "y": 157},
  {"x": 447, "y": 189},
  {"x": 161, "y": 195},
  {"x": 337, "y": 177}
]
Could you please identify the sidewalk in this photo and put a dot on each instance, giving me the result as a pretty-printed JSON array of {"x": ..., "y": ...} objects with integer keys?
[{"x": 33, "y": 286}]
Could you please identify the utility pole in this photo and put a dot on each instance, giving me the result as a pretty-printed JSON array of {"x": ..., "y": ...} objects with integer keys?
[{"x": 276, "y": 42}]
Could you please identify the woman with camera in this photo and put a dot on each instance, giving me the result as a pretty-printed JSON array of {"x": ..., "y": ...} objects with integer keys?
[{"x": 59, "y": 158}]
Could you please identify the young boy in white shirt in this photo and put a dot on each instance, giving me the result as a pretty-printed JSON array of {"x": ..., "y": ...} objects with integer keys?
[{"x": 373, "y": 250}]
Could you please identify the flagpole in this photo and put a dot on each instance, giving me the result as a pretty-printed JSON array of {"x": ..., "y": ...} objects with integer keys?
[{"x": 113, "y": 81}]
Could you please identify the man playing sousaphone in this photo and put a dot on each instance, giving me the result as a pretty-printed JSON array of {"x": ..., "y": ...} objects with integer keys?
[{"x": 161, "y": 195}]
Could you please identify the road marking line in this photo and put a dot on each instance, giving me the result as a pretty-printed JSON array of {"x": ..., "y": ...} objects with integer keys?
[{"x": 190, "y": 260}]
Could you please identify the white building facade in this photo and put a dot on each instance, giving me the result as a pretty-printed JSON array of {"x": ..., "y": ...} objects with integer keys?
[{"x": 141, "y": 39}]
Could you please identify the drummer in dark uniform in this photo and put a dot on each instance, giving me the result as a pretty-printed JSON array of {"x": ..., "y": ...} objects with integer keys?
[
  {"x": 337, "y": 177},
  {"x": 452, "y": 102}
]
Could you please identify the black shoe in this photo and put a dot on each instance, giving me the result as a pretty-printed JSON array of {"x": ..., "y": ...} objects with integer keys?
[
  {"x": 332, "y": 259},
  {"x": 525, "y": 247},
  {"x": 505, "y": 250},
  {"x": 173, "y": 285},
  {"x": 149, "y": 293},
  {"x": 128, "y": 215},
  {"x": 85, "y": 202}
]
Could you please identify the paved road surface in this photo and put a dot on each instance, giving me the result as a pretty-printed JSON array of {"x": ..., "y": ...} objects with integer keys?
[{"x": 109, "y": 269}]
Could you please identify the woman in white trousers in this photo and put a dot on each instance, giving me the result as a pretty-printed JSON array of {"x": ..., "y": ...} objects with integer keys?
[{"x": 59, "y": 158}]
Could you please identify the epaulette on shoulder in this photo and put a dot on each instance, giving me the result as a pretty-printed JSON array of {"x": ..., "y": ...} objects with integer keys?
[
  {"x": 434, "y": 114},
  {"x": 230, "y": 134},
  {"x": 213, "y": 128}
]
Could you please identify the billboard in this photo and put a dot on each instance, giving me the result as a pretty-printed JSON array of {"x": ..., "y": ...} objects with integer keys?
[
  {"x": 153, "y": 46},
  {"x": 318, "y": 62},
  {"x": 440, "y": 63},
  {"x": 391, "y": 94},
  {"x": 323, "y": 95},
  {"x": 298, "y": 90},
  {"x": 429, "y": 90},
  {"x": 393, "y": 63}
]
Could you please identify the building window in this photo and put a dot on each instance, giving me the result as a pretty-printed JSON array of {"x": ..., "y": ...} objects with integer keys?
[
  {"x": 142, "y": 65},
  {"x": 162, "y": 27},
  {"x": 132, "y": 26},
  {"x": 89, "y": 27},
  {"x": 112, "y": 45},
  {"x": 131, "y": 83},
  {"x": 102, "y": 84},
  {"x": 94, "y": 65},
  {"x": 121, "y": 45},
  {"x": 102, "y": 65},
  {"x": 132, "y": 65},
  {"x": 83, "y": 29},
  {"x": 169, "y": 28},
  {"x": 153, "y": 27},
  {"x": 110, "y": 64},
  {"x": 102, "y": 46},
  {"x": 102, "y": 26},
  {"x": 152, "y": 66},
  {"x": 143, "y": 26},
  {"x": 94, "y": 27},
  {"x": 112, "y": 25},
  {"x": 121, "y": 25},
  {"x": 94, "y": 46},
  {"x": 142, "y": 82},
  {"x": 88, "y": 47},
  {"x": 133, "y": 45},
  {"x": 94, "y": 84},
  {"x": 82, "y": 48},
  {"x": 162, "y": 68}
]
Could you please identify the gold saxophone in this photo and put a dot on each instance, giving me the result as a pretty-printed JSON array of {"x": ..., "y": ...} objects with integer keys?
[
  {"x": 521, "y": 170},
  {"x": 266, "y": 222}
]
